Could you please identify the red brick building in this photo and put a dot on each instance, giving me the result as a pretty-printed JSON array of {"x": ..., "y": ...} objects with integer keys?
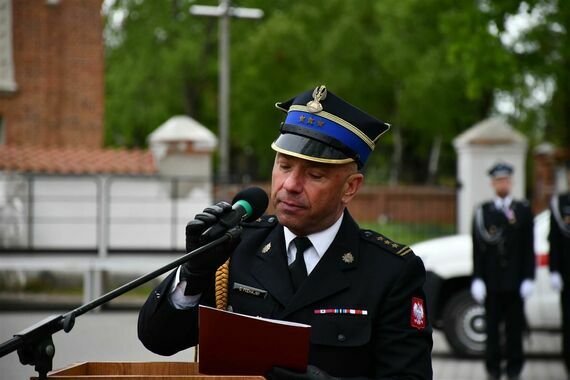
[
  {"x": 52, "y": 91},
  {"x": 52, "y": 66}
]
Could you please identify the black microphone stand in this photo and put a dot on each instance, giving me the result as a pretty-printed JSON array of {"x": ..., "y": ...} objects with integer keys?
[{"x": 35, "y": 345}]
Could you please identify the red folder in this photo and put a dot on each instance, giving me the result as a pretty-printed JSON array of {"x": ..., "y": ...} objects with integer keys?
[{"x": 238, "y": 344}]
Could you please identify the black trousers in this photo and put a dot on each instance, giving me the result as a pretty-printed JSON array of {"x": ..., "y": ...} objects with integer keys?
[
  {"x": 565, "y": 301},
  {"x": 507, "y": 308}
]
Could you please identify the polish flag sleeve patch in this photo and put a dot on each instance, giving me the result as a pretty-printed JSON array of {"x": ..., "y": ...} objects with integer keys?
[{"x": 418, "y": 314}]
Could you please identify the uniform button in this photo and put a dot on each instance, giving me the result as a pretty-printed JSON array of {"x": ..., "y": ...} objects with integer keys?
[
  {"x": 230, "y": 308},
  {"x": 270, "y": 220},
  {"x": 368, "y": 234},
  {"x": 341, "y": 337}
]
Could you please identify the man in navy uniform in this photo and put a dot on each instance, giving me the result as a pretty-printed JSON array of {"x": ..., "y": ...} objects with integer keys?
[
  {"x": 360, "y": 292},
  {"x": 559, "y": 239},
  {"x": 503, "y": 270}
]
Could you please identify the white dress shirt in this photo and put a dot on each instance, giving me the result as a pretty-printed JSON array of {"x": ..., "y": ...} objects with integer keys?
[
  {"x": 321, "y": 241},
  {"x": 503, "y": 203}
]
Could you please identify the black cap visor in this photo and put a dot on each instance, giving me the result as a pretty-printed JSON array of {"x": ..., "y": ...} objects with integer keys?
[{"x": 309, "y": 149}]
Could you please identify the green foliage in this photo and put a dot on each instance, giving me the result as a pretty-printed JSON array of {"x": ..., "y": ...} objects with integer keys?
[
  {"x": 409, "y": 233},
  {"x": 551, "y": 59},
  {"x": 162, "y": 66},
  {"x": 297, "y": 49},
  {"x": 431, "y": 68}
]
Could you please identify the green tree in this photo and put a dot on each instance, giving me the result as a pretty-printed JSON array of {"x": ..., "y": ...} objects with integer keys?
[
  {"x": 431, "y": 68},
  {"x": 159, "y": 62},
  {"x": 531, "y": 66},
  {"x": 298, "y": 48},
  {"x": 392, "y": 58}
]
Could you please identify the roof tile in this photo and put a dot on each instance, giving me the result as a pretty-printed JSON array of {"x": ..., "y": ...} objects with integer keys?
[{"x": 76, "y": 160}]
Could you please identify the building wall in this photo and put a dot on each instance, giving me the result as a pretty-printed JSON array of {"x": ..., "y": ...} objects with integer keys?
[{"x": 59, "y": 67}]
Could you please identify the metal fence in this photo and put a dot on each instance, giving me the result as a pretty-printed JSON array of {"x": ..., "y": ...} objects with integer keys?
[{"x": 98, "y": 213}]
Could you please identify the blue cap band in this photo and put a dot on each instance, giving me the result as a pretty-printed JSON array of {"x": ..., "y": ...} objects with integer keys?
[{"x": 329, "y": 128}]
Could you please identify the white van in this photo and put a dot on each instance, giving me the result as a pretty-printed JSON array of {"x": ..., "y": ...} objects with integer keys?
[{"x": 449, "y": 264}]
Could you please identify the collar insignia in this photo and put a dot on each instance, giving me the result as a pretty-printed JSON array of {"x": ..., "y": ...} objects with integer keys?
[
  {"x": 348, "y": 258},
  {"x": 315, "y": 106},
  {"x": 266, "y": 248}
]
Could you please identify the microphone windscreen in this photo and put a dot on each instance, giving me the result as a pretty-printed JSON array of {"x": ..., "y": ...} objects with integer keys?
[{"x": 257, "y": 198}]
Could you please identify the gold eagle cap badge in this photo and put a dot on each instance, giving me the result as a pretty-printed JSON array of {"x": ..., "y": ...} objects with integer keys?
[
  {"x": 348, "y": 257},
  {"x": 319, "y": 94}
]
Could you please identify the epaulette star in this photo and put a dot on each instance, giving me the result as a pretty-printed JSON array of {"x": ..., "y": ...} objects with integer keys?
[{"x": 385, "y": 243}]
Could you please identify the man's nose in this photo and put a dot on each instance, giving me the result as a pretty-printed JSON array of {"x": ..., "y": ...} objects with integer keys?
[{"x": 294, "y": 182}]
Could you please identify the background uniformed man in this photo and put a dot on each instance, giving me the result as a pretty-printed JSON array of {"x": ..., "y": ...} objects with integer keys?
[
  {"x": 559, "y": 239},
  {"x": 503, "y": 270},
  {"x": 312, "y": 256}
]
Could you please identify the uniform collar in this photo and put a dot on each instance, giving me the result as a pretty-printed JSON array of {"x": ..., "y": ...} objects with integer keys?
[
  {"x": 321, "y": 240},
  {"x": 505, "y": 202}
]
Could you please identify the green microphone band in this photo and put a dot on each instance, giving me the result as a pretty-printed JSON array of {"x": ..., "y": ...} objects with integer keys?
[{"x": 246, "y": 206}]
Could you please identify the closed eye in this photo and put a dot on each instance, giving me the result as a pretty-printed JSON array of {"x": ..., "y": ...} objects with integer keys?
[{"x": 316, "y": 176}]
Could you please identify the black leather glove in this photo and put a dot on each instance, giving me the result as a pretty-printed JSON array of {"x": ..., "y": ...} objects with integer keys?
[
  {"x": 312, "y": 373},
  {"x": 199, "y": 270}
]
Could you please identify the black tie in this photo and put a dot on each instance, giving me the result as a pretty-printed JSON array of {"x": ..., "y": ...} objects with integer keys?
[{"x": 298, "y": 269}]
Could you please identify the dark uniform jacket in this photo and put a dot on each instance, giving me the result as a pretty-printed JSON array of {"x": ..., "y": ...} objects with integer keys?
[
  {"x": 361, "y": 270},
  {"x": 503, "y": 249},
  {"x": 559, "y": 237}
]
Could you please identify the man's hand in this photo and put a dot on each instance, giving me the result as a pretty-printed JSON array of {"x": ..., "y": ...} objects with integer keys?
[
  {"x": 478, "y": 290},
  {"x": 556, "y": 281},
  {"x": 199, "y": 270},
  {"x": 312, "y": 373},
  {"x": 527, "y": 288}
]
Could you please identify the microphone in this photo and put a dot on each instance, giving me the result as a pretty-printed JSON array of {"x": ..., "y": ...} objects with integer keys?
[{"x": 248, "y": 205}]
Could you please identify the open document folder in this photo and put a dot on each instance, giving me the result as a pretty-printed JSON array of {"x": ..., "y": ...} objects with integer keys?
[{"x": 238, "y": 344}]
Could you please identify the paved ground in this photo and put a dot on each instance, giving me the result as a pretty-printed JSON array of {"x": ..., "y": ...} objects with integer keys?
[
  {"x": 543, "y": 360},
  {"x": 111, "y": 336}
]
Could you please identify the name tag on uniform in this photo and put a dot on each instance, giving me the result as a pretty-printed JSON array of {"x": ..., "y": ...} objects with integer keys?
[{"x": 250, "y": 290}]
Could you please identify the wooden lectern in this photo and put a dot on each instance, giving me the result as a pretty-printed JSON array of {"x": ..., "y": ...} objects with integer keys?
[{"x": 137, "y": 370}]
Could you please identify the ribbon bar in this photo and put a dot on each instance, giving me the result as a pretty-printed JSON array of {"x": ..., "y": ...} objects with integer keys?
[{"x": 341, "y": 311}]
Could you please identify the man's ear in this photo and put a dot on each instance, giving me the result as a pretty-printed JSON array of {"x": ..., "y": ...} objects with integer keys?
[{"x": 351, "y": 186}]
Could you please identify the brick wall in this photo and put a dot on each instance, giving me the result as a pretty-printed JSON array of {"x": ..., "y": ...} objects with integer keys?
[
  {"x": 545, "y": 165},
  {"x": 58, "y": 64},
  {"x": 396, "y": 204},
  {"x": 405, "y": 204}
]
